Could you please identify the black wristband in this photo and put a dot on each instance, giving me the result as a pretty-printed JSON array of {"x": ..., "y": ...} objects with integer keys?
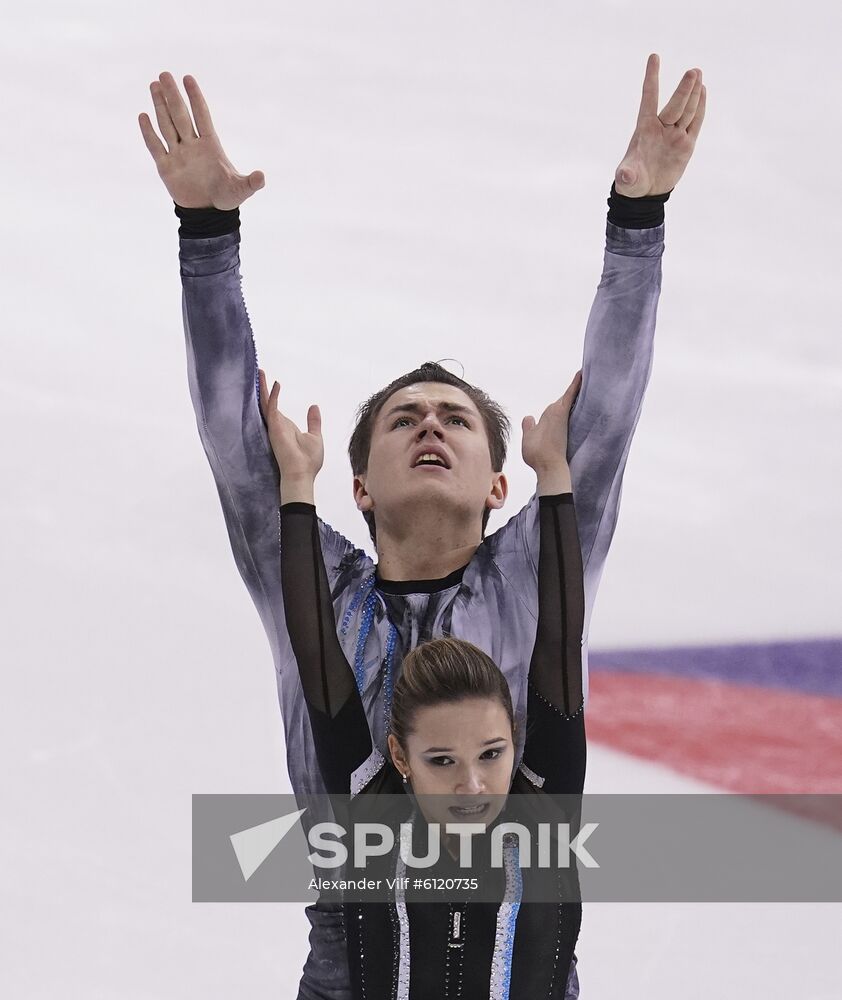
[
  {"x": 636, "y": 213},
  {"x": 205, "y": 223},
  {"x": 555, "y": 499}
]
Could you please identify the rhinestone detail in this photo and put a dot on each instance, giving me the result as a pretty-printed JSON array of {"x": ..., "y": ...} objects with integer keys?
[
  {"x": 366, "y": 771},
  {"x": 527, "y": 772},
  {"x": 403, "y": 917},
  {"x": 504, "y": 937}
]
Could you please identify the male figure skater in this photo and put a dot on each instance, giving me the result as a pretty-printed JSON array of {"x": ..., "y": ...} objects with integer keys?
[{"x": 428, "y": 451}]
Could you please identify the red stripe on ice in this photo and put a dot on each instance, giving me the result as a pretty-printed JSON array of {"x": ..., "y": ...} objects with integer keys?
[{"x": 744, "y": 739}]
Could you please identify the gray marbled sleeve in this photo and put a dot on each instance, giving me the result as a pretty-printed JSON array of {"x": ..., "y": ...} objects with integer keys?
[
  {"x": 222, "y": 374},
  {"x": 617, "y": 363}
]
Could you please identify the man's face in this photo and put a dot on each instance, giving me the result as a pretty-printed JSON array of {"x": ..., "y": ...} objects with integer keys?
[{"x": 429, "y": 449}]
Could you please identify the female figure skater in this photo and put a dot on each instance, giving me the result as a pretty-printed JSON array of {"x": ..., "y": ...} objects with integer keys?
[{"x": 451, "y": 741}]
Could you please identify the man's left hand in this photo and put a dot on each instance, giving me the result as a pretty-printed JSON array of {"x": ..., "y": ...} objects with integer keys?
[{"x": 662, "y": 144}]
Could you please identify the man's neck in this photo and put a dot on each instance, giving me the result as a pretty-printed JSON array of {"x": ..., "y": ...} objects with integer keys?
[{"x": 428, "y": 551}]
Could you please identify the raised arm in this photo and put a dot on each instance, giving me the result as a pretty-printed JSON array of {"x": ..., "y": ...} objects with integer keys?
[
  {"x": 618, "y": 343},
  {"x": 555, "y": 733},
  {"x": 621, "y": 326},
  {"x": 221, "y": 356},
  {"x": 340, "y": 728},
  {"x": 221, "y": 359}
]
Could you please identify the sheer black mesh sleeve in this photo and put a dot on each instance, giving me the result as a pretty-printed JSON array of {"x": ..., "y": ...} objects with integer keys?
[
  {"x": 340, "y": 728},
  {"x": 555, "y": 730}
]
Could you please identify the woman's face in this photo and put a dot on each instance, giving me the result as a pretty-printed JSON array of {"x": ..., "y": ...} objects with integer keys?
[{"x": 460, "y": 759}]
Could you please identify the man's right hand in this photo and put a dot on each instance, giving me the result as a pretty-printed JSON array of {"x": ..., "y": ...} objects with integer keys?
[{"x": 192, "y": 164}]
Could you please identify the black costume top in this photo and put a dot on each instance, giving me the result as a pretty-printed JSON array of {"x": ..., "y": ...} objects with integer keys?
[{"x": 421, "y": 949}]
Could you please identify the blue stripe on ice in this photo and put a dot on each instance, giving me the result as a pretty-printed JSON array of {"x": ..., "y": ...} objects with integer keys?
[{"x": 811, "y": 667}]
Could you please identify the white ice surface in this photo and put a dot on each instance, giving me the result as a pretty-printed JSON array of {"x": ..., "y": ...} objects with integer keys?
[
  {"x": 700, "y": 950},
  {"x": 436, "y": 178}
]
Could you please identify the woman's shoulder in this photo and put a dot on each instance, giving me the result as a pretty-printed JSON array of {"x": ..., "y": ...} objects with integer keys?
[{"x": 386, "y": 781}]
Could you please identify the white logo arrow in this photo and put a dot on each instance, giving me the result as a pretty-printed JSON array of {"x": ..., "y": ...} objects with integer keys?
[{"x": 253, "y": 846}]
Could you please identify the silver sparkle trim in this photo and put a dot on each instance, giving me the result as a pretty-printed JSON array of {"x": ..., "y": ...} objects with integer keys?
[
  {"x": 366, "y": 771},
  {"x": 504, "y": 936},
  {"x": 536, "y": 779},
  {"x": 403, "y": 916}
]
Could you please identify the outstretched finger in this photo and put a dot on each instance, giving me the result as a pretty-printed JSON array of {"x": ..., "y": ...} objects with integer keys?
[
  {"x": 692, "y": 104},
  {"x": 674, "y": 108},
  {"x": 198, "y": 105},
  {"x": 150, "y": 137},
  {"x": 695, "y": 126},
  {"x": 162, "y": 113},
  {"x": 649, "y": 98},
  {"x": 527, "y": 424},
  {"x": 178, "y": 109},
  {"x": 314, "y": 420}
]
